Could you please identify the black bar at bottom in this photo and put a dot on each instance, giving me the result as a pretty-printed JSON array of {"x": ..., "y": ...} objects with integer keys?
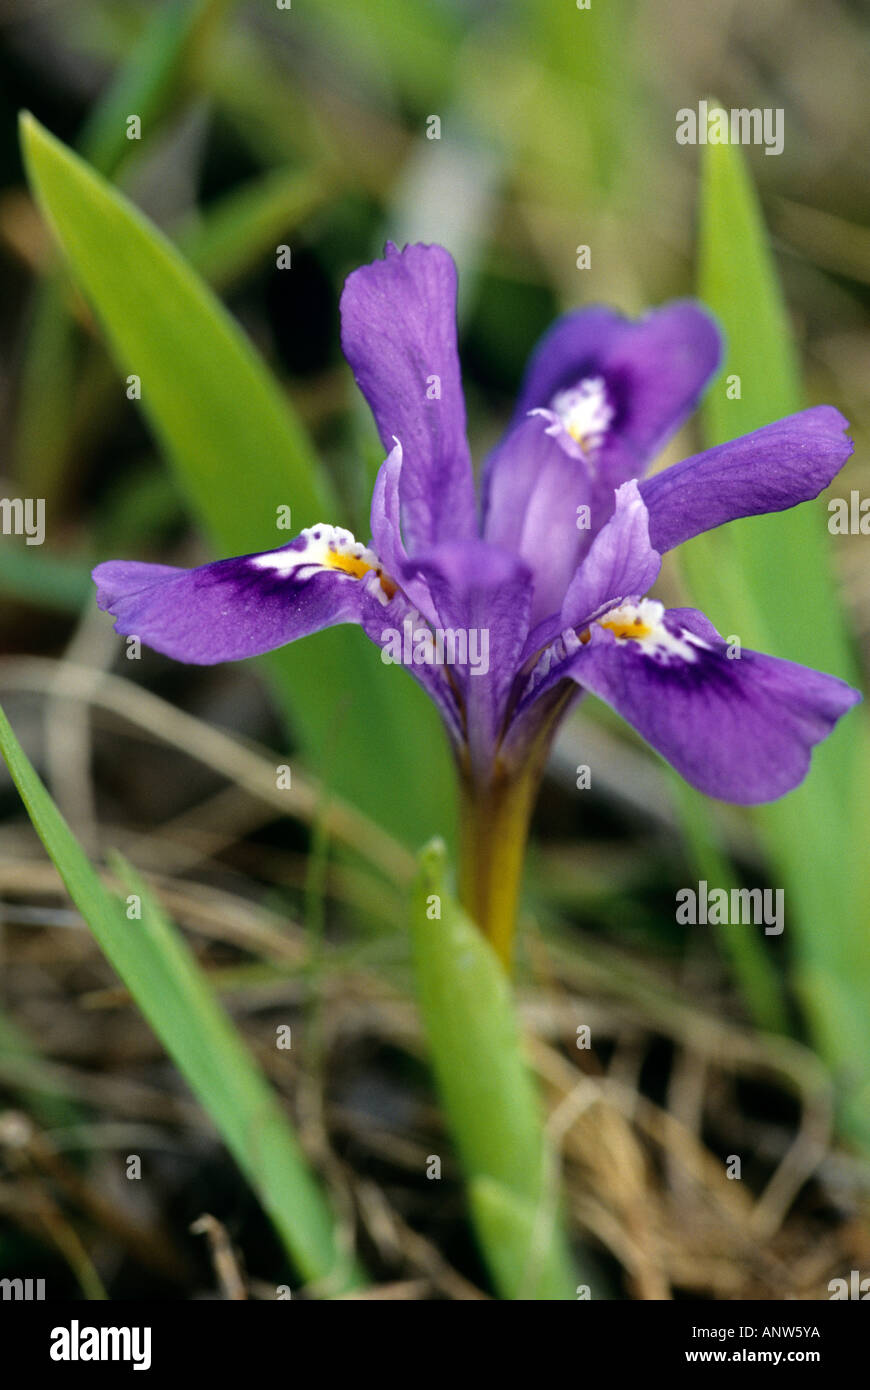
[{"x": 223, "y": 1340}]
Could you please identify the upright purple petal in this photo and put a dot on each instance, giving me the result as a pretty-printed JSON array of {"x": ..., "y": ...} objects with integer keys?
[
  {"x": 621, "y": 563},
  {"x": 238, "y": 608},
  {"x": 771, "y": 469},
  {"x": 387, "y": 542},
  {"x": 534, "y": 490},
  {"x": 740, "y": 729},
  {"x": 398, "y": 332},
  {"x": 653, "y": 370},
  {"x": 385, "y": 516}
]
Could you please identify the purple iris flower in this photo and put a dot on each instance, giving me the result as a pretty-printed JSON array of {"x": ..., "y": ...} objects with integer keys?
[{"x": 508, "y": 610}]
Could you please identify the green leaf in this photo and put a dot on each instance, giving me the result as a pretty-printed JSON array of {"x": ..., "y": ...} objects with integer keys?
[
  {"x": 148, "y": 82},
  {"x": 753, "y": 968},
  {"x": 509, "y": 1228},
  {"x": 587, "y": 53},
  {"x": 770, "y": 580},
  {"x": 22, "y": 1069},
  {"x": 43, "y": 579},
  {"x": 737, "y": 280},
  {"x": 492, "y": 1108},
  {"x": 407, "y": 46},
  {"x": 240, "y": 453},
  {"x": 145, "y": 84},
  {"x": 157, "y": 967}
]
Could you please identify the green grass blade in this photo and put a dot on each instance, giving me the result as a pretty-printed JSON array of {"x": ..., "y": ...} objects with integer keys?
[
  {"x": 589, "y": 51},
  {"x": 770, "y": 580},
  {"x": 148, "y": 81},
  {"x": 44, "y": 579},
  {"x": 492, "y": 1108},
  {"x": 737, "y": 279},
  {"x": 23, "y": 1070},
  {"x": 240, "y": 453},
  {"x": 145, "y": 85},
  {"x": 156, "y": 966},
  {"x": 508, "y": 1227},
  {"x": 410, "y": 46},
  {"x": 205, "y": 393},
  {"x": 753, "y": 968}
]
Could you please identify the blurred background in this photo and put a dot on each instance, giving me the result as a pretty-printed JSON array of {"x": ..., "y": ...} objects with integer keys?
[{"x": 307, "y": 127}]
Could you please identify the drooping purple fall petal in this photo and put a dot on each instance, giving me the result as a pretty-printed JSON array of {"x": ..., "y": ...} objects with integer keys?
[
  {"x": 120, "y": 579},
  {"x": 233, "y": 609},
  {"x": 740, "y": 729}
]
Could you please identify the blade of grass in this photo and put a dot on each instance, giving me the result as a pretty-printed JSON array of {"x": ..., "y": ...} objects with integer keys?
[
  {"x": 590, "y": 50},
  {"x": 240, "y": 453},
  {"x": 149, "y": 81},
  {"x": 405, "y": 46},
  {"x": 492, "y": 1109},
  {"x": 753, "y": 969},
  {"x": 157, "y": 967},
  {"x": 775, "y": 576},
  {"x": 45, "y": 580},
  {"x": 146, "y": 84},
  {"x": 22, "y": 1068},
  {"x": 508, "y": 1227}
]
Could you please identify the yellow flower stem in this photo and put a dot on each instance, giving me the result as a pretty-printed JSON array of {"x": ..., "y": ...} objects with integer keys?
[{"x": 494, "y": 823}]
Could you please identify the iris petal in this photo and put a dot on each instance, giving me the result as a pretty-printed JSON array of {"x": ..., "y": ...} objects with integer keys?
[
  {"x": 621, "y": 562},
  {"x": 237, "y": 608},
  {"x": 771, "y": 469},
  {"x": 654, "y": 370},
  {"x": 741, "y": 728},
  {"x": 398, "y": 332}
]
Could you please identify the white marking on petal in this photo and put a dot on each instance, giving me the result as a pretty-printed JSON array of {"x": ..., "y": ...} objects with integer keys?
[
  {"x": 643, "y": 624},
  {"x": 329, "y": 548},
  {"x": 585, "y": 412},
  {"x": 326, "y": 547}
]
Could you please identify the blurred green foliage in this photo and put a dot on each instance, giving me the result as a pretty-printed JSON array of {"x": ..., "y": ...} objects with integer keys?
[{"x": 773, "y": 576}]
